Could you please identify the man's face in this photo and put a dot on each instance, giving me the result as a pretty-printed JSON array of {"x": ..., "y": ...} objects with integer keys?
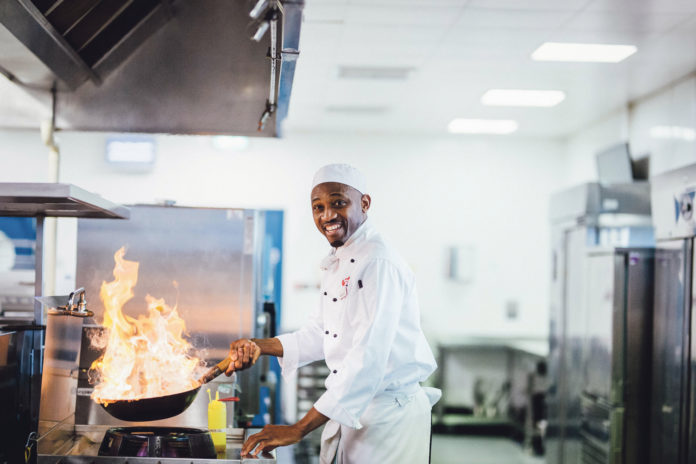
[{"x": 338, "y": 211}]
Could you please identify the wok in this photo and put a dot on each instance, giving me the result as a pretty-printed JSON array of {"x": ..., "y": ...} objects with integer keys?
[{"x": 160, "y": 407}]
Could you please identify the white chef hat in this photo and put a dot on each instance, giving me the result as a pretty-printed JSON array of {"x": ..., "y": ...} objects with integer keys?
[{"x": 341, "y": 173}]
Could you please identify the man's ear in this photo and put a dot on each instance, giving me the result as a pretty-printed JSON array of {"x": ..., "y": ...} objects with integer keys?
[{"x": 365, "y": 202}]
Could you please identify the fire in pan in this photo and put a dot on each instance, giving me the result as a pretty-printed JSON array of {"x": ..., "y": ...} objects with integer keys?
[{"x": 160, "y": 407}]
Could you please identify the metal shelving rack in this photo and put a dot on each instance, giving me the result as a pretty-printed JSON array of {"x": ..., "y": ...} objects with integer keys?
[{"x": 310, "y": 386}]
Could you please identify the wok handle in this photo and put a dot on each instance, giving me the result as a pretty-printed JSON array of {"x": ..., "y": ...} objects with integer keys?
[{"x": 215, "y": 371}]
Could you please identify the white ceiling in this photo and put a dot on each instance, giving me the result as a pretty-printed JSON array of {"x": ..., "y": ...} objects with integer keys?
[
  {"x": 455, "y": 50},
  {"x": 458, "y": 49}
]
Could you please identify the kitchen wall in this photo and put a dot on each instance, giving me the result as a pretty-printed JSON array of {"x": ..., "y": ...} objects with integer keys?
[
  {"x": 661, "y": 125},
  {"x": 488, "y": 196}
]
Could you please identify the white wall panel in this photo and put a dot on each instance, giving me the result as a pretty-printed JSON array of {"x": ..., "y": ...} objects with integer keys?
[
  {"x": 662, "y": 125},
  {"x": 650, "y": 113},
  {"x": 582, "y": 148},
  {"x": 23, "y": 157},
  {"x": 429, "y": 193},
  {"x": 667, "y": 123}
]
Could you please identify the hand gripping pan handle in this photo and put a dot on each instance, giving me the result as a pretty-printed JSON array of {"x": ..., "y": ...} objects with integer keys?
[{"x": 215, "y": 371}]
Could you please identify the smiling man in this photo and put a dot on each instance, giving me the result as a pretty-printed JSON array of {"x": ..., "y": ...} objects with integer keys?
[{"x": 367, "y": 329}]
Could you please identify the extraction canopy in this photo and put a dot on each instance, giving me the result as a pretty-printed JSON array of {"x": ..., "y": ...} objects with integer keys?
[{"x": 157, "y": 66}]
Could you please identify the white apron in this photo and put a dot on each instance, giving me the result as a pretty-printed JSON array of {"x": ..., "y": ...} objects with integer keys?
[{"x": 396, "y": 429}]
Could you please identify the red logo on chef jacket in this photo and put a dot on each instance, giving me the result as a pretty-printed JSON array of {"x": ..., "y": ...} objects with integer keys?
[{"x": 344, "y": 287}]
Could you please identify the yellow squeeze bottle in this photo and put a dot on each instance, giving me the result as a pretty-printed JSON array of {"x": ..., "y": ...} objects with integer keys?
[{"x": 217, "y": 420}]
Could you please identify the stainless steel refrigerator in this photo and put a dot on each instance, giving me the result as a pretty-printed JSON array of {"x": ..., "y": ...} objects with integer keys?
[
  {"x": 585, "y": 219},
  {"x": 673, "y": 432},
  {"x": 616, "y": 356}
]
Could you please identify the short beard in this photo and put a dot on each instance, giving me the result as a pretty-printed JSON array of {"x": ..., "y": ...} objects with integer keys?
[{"x": 337, "y": 243}]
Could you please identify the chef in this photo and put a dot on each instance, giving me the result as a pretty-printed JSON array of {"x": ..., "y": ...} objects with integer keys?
[{"x": 367, "y": 329}]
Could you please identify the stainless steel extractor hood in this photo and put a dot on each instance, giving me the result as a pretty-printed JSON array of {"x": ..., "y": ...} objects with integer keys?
[{"x": 158, "y": 66}]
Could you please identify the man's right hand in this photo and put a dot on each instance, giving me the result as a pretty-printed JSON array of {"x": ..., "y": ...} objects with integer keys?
[{"x": 243, "y": 354}]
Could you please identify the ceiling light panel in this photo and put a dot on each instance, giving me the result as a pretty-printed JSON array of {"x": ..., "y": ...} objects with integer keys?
[
  {"x": 482, "y": 126},
  {"x": 596, "y": 53},
  {"x": 515, "y": 97}
]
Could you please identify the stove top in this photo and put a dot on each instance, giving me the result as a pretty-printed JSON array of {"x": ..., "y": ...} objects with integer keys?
[
  {"x": 167, "y": 442},
  {"x": 66, "y": 443}
]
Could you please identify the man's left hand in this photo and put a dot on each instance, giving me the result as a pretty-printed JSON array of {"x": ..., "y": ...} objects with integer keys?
[{"x": 271, "y": 437}]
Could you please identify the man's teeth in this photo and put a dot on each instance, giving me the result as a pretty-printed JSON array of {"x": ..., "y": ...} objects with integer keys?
[{"x": 332, "y": 227}]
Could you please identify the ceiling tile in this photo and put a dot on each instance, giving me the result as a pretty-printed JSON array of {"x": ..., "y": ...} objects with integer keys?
[
  {"x": 628, "y": 21},
  {"x": 392, "y": 36},
  {"x": 643, "y": 6},
  {"x": 413, "y": 56},
  {"x": 402, "y": 16},
  {"x": 518, "y": 19},
  {"x": 487, "y": 45},
  {"x": 541, "y": 5},
  {"x": 389, "y": 44},
  {"x": 410, "y": 3},
  {"x": 313, "y": 3},
  {"x": 324, "y": 12},
  {"x": 364, "y": 93},
  {"x": 319, "y": 39},
  {"x": 608, "y": 37},
  {"x": 485, "y": 38},
  {"x": 479, "y": 56},
  {"x": 483, "y": 46},
  {"x": 386, "y": 45},
  {"x": 688, "y": 26}
]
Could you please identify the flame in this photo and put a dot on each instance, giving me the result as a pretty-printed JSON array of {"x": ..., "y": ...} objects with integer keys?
[{"x": 144, "y": 357}]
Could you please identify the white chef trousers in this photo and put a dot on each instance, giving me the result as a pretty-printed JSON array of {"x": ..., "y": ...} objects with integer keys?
[{"x": 396, "y": 429}]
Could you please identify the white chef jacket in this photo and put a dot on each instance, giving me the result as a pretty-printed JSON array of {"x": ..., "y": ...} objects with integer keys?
[{"x": 367, "y": 328}]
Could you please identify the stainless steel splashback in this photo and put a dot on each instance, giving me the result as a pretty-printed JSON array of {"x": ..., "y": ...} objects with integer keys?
[{"x": 211, "y": 254}]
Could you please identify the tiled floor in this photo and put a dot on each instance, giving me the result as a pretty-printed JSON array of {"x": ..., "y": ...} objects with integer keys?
[{"x": 451, "y": 449}]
